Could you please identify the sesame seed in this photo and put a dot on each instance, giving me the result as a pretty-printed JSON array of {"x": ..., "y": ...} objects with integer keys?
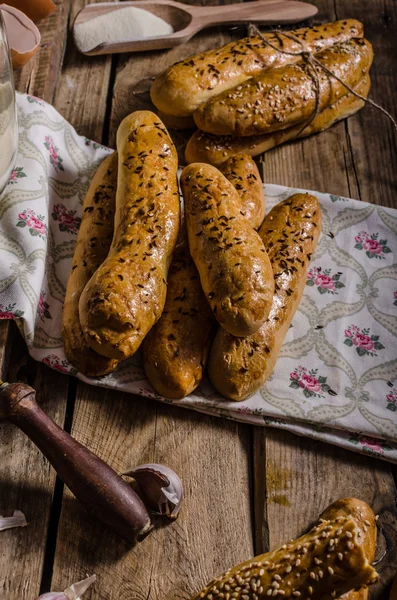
[
  {"x": 275, "y": 585},
  {"x": 330, "y": 570},
  {"x": 296, "y": 593},
  {"x": 275, "y": 592},
  {"x": 350, "y": 545},
  {"x": 277, "y": 577},
  {"x": 288, "y": 569},
  {"x": 269, "y": 592},
  {"x": 340, "y": 556},
  {"x": 262, "y": 572},
  {"x": 297, "y": 562},
  {"x": 349, "y": 534},
  {"x": 310, "y": 589},
  {"x": 312, "y": 575},
  {"x": 367, "y": 522},
  {"x": 321, "y": 574},
  {"x": 317, "y": 560}
]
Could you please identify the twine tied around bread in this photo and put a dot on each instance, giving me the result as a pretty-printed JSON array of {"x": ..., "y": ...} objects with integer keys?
[{"x": 312, "y": 62}]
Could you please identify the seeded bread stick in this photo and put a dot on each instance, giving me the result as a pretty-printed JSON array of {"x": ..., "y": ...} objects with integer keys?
[
  {"x": 235, "y": 271},
  {"x": 243, "y": 174},
  {"x": 126, "y": 295},
  {"x": 238, "y": 367},
  {"x": 93, "y": 243},
  {"x": 284, "y": 97},
  {"x": 366, "y": 521},
  {"x": 175, "y": 350},
  {"x": 215, "y": 150},
  {"x": 185, "y": 85},
  {"x": 323, "y": 564}
]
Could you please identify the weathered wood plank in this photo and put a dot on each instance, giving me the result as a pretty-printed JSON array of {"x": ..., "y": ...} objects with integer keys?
[
  {"x": 212, "y": 458},
  {"x": 296, "y": 478},
  {"x": 27, "y": 480},
  {"x": 82, "y": 89},
  {"x": 40, "y": 75}
]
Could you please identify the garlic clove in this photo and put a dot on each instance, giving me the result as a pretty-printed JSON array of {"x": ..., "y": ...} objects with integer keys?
[
  {"x": 159, "y": 487},
  {"x": 73, "y": 592},
  {"x": 17, "y": 520}
]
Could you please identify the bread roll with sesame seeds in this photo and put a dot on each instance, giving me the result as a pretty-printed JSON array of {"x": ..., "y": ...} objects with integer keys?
[
  {"x": 366, "y": 522},
  {"x": 235, "y": 271},
  {"x": 181, "y": 88},
  {"x": 175, "y": 350},
  {"x": 215, "y": 150},
  {"x": 285, "y": 97},
  {"x": 243, "y": 174},
  {"x": 238, "y": 367},
  {"x": 93, "y": 243},
  {"x": 323, "y": 564},
  {"x": 126, "y": 295}
]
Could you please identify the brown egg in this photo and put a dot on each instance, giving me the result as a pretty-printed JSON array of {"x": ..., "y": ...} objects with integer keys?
[{"x": 23, "y": 35}]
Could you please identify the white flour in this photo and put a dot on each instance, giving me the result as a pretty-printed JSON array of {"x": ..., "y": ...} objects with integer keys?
[
  {"x": 8, "y": 133},
  {"x": 125, "y": 24}
]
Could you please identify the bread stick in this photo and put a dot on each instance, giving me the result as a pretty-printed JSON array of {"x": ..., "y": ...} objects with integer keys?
[
  {"x": 284, "y": 97},
  {"x": 234, "y": 269},
  {"x": 93, "y": 243},
  {"x": 243, "y": 174},
  {"x": 215, "y": 150},
  {"x": 193, "y": 81},
  {"x": 126, "y": 295},
  {"x": 329, "y": 561},
  {"x": 238, "y": 367}
]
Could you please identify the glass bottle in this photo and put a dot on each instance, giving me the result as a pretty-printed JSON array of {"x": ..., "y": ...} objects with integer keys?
[{"x": 8, "y": 117}]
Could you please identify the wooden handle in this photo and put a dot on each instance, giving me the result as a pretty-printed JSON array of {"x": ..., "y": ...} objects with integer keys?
[
  {"x": 96, "y": 485},
  {"x": 271, "y": 12}
]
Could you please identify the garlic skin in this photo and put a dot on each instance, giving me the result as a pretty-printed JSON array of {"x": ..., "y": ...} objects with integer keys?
[
  {"x": 160, "y": 488},
  {"x": 74, "y": 592},
  {"x": 17, "y": 520}
]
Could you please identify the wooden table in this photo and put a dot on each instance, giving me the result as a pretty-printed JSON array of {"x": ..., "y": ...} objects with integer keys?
[{"x": 247, "y": 489}]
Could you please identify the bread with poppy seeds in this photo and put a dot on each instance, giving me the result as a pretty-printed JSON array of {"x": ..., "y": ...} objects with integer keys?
[
  {"x": 284, "y": 97},
  {"x": 93, "y": 243},
  {"x": 235, "y": 271},
  {"x": 126, "y": 295},
  {"x": 215, "y": 150},
  {"x": 237, "y": 366},
  {"x": 181, "y": 88}
]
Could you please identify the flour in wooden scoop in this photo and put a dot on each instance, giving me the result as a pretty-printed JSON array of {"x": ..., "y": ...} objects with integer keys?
[{"x": 121, "y": 25}]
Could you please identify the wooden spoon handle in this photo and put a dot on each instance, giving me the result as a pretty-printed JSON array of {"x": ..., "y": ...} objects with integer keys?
[
  {"x": 261, "y": 11},
  {"x": 96, "y": 485}
]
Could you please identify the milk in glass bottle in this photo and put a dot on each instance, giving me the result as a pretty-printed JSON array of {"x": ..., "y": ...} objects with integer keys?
[{"x": 8, "y": 120}]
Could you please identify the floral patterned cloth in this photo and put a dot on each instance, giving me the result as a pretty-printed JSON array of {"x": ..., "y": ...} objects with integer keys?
[{"x": 336, "y": 377}]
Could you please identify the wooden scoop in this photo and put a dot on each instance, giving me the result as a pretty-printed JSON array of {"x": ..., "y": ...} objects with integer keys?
[
  {"x": 104, "y": 493},
  {"x": 187, "y": 20}
]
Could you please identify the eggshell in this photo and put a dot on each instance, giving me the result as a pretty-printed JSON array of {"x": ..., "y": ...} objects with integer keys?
[
  {"x": 23, "y": 35},
  {"x": 34, "y": 9}
]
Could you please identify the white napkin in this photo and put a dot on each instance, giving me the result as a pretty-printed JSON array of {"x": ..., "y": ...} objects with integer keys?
[{"x": 335, "y": 379}]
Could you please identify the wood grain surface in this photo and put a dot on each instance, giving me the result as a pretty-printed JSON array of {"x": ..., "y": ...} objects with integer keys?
[{"x": 247, "y": 489}]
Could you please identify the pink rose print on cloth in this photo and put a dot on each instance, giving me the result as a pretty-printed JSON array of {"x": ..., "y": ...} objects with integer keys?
[
  {"x": 55, "y": 159},
  {"x": 309, "y": 382},
  {"x": 369, "y": 444},
  {"x": 53, "y": 361},
  {"x": 16, "y": 174},
  {"x": 43, "y": 307},
  {"x": 324, "y": 281},
  {"x": 364, "y": 343},
  {"x": 8, "y": 312},
  {"x": 391, "y": 398},
  {"x": 34, "y": 100},
  {"x": 395, "y": 298},
  {"x": 67, "y": 219},
  {"x": 34, "y": 223},
  {"x": 373, "y": 247}
]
